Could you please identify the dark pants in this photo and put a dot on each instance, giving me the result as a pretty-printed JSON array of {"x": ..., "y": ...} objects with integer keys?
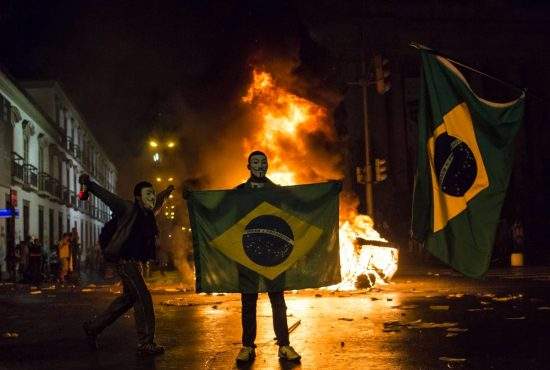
[
  {"x": 248, "y": 316},
  {"x": 135, "y": 295}
]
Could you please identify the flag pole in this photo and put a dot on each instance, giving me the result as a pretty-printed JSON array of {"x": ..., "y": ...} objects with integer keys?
[{"x": 454, "y": 61}]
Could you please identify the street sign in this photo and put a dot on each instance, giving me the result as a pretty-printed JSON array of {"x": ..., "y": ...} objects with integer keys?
[{"x": 9, "y": 212}]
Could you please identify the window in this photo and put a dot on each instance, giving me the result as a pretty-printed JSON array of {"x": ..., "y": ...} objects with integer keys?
[
  {"x": 41, "y": 224},
  {"x": 50, "y": 226},
  {"x": 26, "y": 148},
  {"x": 40, "y": 159},
  {"x": 26, "y": 217},
  {"x": 59, "y": 225}
]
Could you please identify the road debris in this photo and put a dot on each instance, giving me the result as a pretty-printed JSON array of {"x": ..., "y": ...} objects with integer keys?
[
  {"x": 510, "y": 297},
  {"x": 452, "y": 359},
  {"x": 10, "y": 335},
  {"x": 457, "y": 295},
  {"x": 457, "y": 330},
  {"x": 439, "y": 308}
]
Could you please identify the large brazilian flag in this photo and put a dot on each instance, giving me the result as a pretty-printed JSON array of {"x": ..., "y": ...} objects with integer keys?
[
  {"x": 283, "y": 234},
  {"x": 465, "y": 155}
]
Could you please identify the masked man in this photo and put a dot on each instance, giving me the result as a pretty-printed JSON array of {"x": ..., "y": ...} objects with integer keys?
[
  {"x": 248, "y": 281},
  {"x": 132, "y": 243}
]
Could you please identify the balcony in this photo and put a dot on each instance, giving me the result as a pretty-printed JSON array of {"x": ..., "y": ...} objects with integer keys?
[
  {"x": 18, "y": 168},
  {"x": 44, "y": 184},
  {"x": 56, "y": 190},
  {"x": 65, "y": 196},
  {"x": 24, "y": 173}
]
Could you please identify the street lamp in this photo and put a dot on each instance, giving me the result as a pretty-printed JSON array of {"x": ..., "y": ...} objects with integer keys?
[{"x": 153, "y": 144}]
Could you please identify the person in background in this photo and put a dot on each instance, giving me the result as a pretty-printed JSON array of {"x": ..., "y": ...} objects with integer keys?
[
  {"x": 24, "y": 259},
  {"x": 64, "y": 256},
  {"x": 35, "y": 262},
  {"x": 75, "y": 250}
]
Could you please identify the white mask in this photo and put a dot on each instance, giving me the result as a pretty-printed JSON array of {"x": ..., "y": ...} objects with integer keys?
[
  {"x": 148, "y": 198},
  {"x": 258, "y": 165}
]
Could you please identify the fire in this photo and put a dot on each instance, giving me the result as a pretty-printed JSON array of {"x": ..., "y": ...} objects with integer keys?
[{"x": 287, "y": 124}]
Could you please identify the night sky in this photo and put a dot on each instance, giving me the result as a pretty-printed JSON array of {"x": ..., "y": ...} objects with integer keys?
[{"x": 129, "y": 64}]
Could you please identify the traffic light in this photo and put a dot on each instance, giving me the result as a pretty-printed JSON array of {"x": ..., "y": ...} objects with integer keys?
[
  {"x": 380, "y": 169},
  {"x": 382, "y": 74},
  {"x": 360, "y": 175}
]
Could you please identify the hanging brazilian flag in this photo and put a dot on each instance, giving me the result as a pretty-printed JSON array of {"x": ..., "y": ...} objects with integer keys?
[
  {"x": 275, "y": 238},
  {"x": 465, "y": 155}
]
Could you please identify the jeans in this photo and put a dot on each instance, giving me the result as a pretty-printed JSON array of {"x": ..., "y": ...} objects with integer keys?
[
  {"x": 135, "y": 294},
  {"x": 248, "y": 316}
]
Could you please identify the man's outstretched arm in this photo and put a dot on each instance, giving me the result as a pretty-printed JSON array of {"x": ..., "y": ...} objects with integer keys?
[
  {"x": 113, "y": 201},
  {"x": 161, "y": 197}
]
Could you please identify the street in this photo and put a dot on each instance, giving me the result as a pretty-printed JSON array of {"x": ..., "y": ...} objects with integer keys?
[{"x": 422, "y": 320}]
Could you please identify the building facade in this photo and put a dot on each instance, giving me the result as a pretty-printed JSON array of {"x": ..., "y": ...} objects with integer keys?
[{"x": 45, "y": 145}]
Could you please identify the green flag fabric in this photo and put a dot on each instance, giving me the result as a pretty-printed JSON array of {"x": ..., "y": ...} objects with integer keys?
[
  {"x": 465, "y": 155},
  {"x": 266, "y": 239}
]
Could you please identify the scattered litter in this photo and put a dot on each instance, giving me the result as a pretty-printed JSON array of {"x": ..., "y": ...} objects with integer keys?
[
  {"x": 457, "y": 295},
  {"x": 36, "y": 292},
  {"x": 86, "y": 290},
  {"x": 318, "y": 295},
  {"x": 516, "y": 318},
  {"x": 432, "y": 325},
  {"x": 182, "y": 302},
  {"x": 10, "y": 335},
  {"x": 543, "y": 308},
  {"x": 450, "y": 335},
  {"x": 457, "y": 330},
  {"x": 510, "y": 297},
  {"x": 374, "y": 299},
  {"x": 345, "y": 319},
  {"x": 439, "y": 308},
  {"x": 452, "y": 359},
  {"x": 481, "y": 309},
  {"x": 389, "y": 299}
]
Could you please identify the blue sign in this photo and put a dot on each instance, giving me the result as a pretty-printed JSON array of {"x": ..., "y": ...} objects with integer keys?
[{"x": 9, "y": 212}]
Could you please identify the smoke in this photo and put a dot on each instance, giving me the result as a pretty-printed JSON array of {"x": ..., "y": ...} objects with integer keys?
[{"x": 293, "y": 128}]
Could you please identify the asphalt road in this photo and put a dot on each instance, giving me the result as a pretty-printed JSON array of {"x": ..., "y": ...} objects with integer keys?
[{"x": 426, "y": 320}]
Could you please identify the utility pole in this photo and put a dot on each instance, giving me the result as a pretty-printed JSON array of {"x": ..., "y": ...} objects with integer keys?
[{"x": 368, "y": 166}]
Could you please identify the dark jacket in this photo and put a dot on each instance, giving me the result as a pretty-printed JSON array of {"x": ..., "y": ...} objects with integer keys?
[
  {"x": 248, "y": 184},
  {"x": 126, "y": 213}
]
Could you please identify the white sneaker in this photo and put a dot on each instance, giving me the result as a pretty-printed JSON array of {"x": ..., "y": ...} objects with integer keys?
[
  {"x": 288, "y": 353},
  {"x": 246, "y": 354}
]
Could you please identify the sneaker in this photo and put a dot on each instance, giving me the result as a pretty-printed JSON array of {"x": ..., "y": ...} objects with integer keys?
[
  {"x": 91, "y": 337},
  {"x": 150, "y": 349},
  {"x": 288, "y": 353},
  {"x": 246, "y": 354}
]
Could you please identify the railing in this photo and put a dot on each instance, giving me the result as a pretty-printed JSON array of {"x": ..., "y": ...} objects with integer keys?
[
  {"x": 30, "y": 175},
  {"x": 18, "y": 167},
  {"x": 43, "y": 182}
]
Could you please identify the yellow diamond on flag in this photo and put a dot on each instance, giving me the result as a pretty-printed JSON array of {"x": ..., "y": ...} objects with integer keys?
[
  {"x": 268, "y": 240},
  {"x": 457, "y": 168}
]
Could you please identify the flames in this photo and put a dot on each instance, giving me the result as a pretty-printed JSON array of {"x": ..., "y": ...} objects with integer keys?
[{"x": 299, "y": 139}]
